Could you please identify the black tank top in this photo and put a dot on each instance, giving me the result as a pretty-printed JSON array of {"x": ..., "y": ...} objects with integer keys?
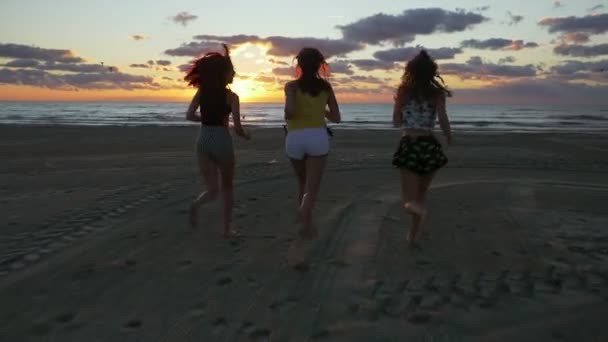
[{"x": 214, "y": 112}]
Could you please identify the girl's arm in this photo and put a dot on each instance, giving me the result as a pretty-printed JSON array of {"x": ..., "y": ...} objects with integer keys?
[
  {"x": 191, "y": 113},
  {"x": 444, "y": 122},
  {"x": 236, "y": 117},
  {"x": 397, "y": 114},
  {"x": 290, "y": 100},
  {"x": 333, "y": 114}
]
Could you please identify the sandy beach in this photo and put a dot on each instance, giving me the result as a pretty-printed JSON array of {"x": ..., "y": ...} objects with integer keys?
[{"x": 95, "y": 246}]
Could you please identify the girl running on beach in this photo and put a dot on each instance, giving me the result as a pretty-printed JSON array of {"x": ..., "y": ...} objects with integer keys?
[
  {"x": 307, "y": 143},
  {"x": 211, "y": 75},
  {"x": 420, "y": 100}
]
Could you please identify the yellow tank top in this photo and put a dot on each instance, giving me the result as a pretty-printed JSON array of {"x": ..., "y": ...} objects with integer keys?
[{"x": 309, "y": 111}]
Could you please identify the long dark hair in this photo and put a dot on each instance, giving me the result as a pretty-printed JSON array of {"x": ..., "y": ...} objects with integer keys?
[
  {"x": 420, "y": 80},
  {"x": 211, "y": 73},
  {"x": 312, "y": 71}
]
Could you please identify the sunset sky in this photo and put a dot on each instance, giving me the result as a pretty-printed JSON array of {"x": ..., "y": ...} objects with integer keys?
[{"x": 516, "y": 51}]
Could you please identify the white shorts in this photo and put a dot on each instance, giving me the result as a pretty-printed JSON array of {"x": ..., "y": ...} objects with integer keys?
[{"x": 308, "y": 142}]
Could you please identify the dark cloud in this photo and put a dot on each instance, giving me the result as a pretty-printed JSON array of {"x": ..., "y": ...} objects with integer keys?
[
  {"x": 475, "y": 68},
  {"x": 506, "y": 60},
  {"x": 403, "y": 54},
  {"x": 275, "y": 61},
  {"x": 99, "y": 81},
  {"x": 163, "y": 62},
  {"x": 536, "y": 92},
  {"x": 581, "y": 50},
  {"x": 80, "y": 68},
  {"x": 367, "y": 79},
  {"x": 265, "y": 79},
  {"x": 167, "y": 78},
  {"x": 238, "y": 39},
  {"x": 140, "y": 66},
  {"x": 482, "y": 8},
  {"x": 284, "y": 71},
  {"x": 592, "y": 24},
  {"x": 514, "y": 19},
  {"x": 373, "y": 64},
  {"x": 404, "y": 27},
  {"x": 498, "y": 44},
  {"x": 184, "y": 67},
  {"x": 23, "y": 63},
  {"x": 151, "y": 62},
  {"x": 286, "y": 46},
  {"x": 341, "y": 67},
  {"x": 194, "y": 49},
  {"x": 41, "y": 54},
  {"x": 280, "y": 46},
  {"x": 138, "y": 37},
  {"x": 575, "y": 37},
  {"x": 596, "y": 8},
  {"x": 183, "y": 18},
  {"x": 557, "y": 4},
  {"x": 577, "y": 67}
]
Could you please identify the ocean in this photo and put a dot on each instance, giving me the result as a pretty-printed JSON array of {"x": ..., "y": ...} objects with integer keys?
[{"x": 476, "y": 118}]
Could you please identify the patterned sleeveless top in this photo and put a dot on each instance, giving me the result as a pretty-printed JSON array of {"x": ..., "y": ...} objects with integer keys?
[{"x": 419, "y": 115}]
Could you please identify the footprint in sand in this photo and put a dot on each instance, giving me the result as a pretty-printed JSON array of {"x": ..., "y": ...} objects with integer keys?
[
  {"x": 133, "y": 324},
  {"x": 223, "y": 281},
  {"x": 41, "y": 329},
  {"x": 65, "y": 317},
  {"x": 260, "y": 334},
  {"x": 183, "y": 264},
  {"x": 219, "y": 325}
]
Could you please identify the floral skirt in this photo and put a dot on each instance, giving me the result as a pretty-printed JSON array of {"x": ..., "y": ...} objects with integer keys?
[{"x": 422, "y": 155}]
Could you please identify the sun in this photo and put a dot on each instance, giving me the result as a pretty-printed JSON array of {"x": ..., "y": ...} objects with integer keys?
[{"x": 249, "y": 90}]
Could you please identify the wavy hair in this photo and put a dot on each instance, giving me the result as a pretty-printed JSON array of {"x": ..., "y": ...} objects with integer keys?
[{"x": 421, "y": 79}]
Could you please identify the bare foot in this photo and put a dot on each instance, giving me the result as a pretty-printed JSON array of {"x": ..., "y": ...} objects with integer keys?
[
  {"x": 231, "y": 233},
  {"x": 193, "y": 216},
  {"x": 414, "y": 208}
]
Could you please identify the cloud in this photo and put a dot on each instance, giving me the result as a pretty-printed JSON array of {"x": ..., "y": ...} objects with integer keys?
[
  {"x": 41, "y": 54},
  {"x": 341, "y": 67},
  {"x": 194, "y": 49},
  {"x": 183, "y": 18},
  {"x": 592, "y": 24},
  {"x": 163, "y": 62},
  {"x": 284, "y": 71},
  {"x": 575, "y": 37},
  {"x": 23, "y": 63},
  {"x": 514, "y": 19},
  {"x": 577, "y": 67},
  {"x": 557, "y": 4},
  {"x": 581, "y": 50},
  {"x": 536, "y": 92},
  {"x": 275, "y": 61},
  {"x": 475, "y": 68},
  {"x": 367, "y": 79},
  {"x": 404, "y": 54},
  {"x": 506, "y": 60},
  {"x": 238, "y": 39},
  {"x": 38, "y": 67},
  {"x": 404, "y": 27},
  {"x": 596, "y": 8},
  {"x": 373, "y": 64},
  {"x": 139, "y": 37},
  {"x": 98, "y": 81},
  {"x": 286, "y": 46},
  {"x": 498, "y": 44},
  {"x": 482, "y": 8},
  {"x": 265, "y": 79},
  {"x": 184, "y": 67},
  {"x": 279, "y": 46},
  {"x": 141, "y": 66}
]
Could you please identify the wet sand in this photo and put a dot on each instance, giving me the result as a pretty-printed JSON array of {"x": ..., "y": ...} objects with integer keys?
[{"x": 95, "y": 246}]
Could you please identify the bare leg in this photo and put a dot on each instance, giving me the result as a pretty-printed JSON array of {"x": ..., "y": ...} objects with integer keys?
[
  {"x": 423, "y": 187},
  {"x": 227, "y": 175},
  {"x": 209, "y": 175},
  {"x": 315, "y": 166},
  {"x": 299, "y": 167},
  {"x": 410, "y": 183}
]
